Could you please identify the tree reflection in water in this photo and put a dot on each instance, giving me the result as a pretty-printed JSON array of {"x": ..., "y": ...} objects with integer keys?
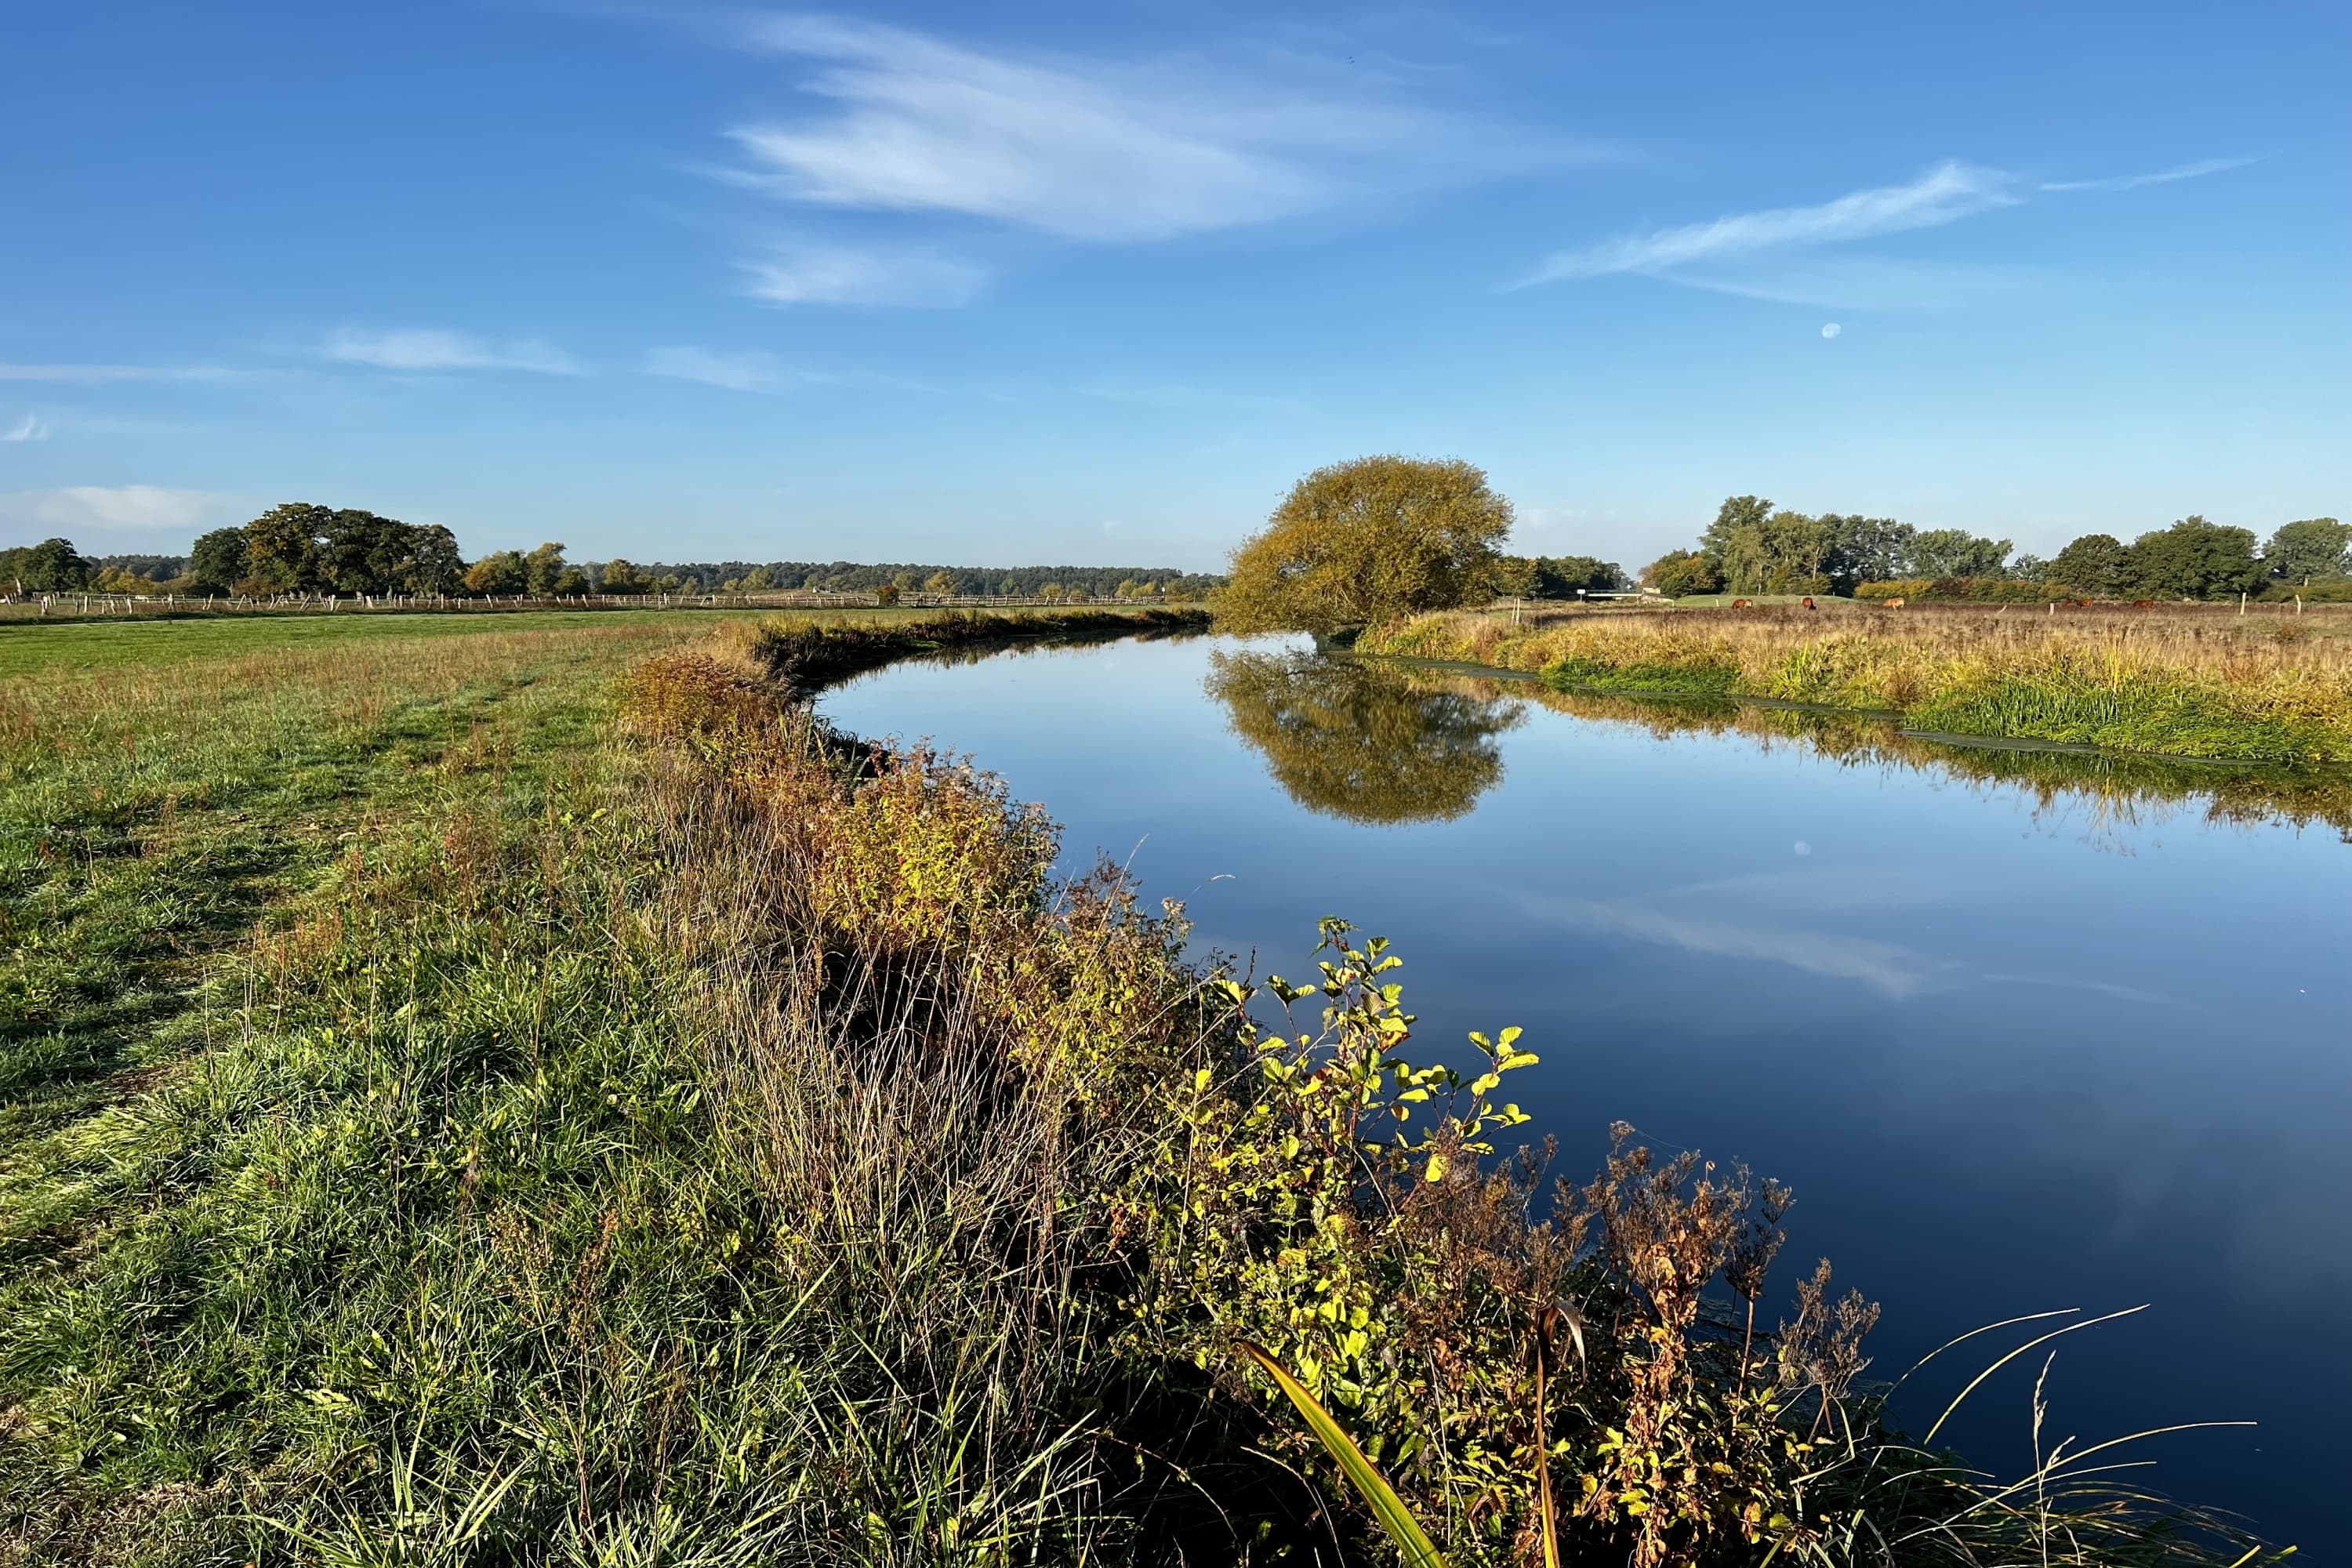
[
  {"x": 1362, "y": 741},
  {"x": 1376, "y": 742}
]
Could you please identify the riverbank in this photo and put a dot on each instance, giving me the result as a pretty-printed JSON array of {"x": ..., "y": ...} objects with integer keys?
[
  {"x": 2116, "y": 786},
  {"x": 615, "y": 1121},
  {"x": 2274, "y": 690},
  {"x": 800, "y": 658}
]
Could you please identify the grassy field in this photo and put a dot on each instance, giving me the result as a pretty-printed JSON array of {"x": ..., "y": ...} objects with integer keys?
[
  {"x": 531, "y": 1097},
  {"x": 2203, "y": 684},
  {"x": 29, "y": 647}
]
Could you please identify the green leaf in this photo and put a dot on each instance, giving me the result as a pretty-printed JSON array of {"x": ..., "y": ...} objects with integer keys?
[{"x": 1411, "y": 1540}]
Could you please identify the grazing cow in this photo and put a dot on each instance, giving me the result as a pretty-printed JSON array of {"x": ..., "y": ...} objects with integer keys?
[
  {"x": 1808, "y": 601},
  {"x": 1894, "y": 604},
  {"x": 1743, "y": 603},
  {"x": 2142, "y": 603}
]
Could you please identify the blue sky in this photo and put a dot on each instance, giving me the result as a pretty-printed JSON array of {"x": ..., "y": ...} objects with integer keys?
[{"x": 1017, "y": 284}]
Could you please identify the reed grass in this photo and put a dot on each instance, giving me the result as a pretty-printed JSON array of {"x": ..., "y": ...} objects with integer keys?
[{"x": 2197, "y": 686}]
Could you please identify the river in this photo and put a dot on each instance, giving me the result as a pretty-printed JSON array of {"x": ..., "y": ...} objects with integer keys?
[{"x": 2023, "y": 1032}]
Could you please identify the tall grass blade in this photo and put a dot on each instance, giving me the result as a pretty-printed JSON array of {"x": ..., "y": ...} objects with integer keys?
[
  {"x": 1961, "y": 1397},
  {"x": 1411, "y": 1542},
  {"x": 1548, "y": 1323}
]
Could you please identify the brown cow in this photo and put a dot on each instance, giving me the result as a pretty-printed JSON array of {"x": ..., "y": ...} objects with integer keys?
[
  {"x": 1743, "y": 603},
  {"x": 1808, "y": 601},
  {"x": 2142, "y": 603},
  {"x": 1894, "y": 604}
]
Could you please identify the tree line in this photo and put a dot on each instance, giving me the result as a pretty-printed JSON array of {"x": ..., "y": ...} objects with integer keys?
[
  {"x": 1010, "y": 582},
  {"x": 303, "y": 548},
  {"x": 2195, "y": 559},
  {"x": 1755, "y": 547},
  {"x": 1353, "y": 544}
]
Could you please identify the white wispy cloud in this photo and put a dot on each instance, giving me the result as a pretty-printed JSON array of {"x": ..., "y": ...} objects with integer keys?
[
  {"x": 737, "y": 370},
  {"x": 2197, "y": 170},
  {"x": 1091, "y": 149},
  {"x": 80, "y": 509},
  {"x": 89, "y": 374},
  {"x": 1763, "y": 255},
  {"x": 433, "y": 348},
  {"x": 862, "y": 275},
  {"x": 1888, "y": 968},
  {"x": 1945, "y": 194},
  {"x": 30, "y": 429}
]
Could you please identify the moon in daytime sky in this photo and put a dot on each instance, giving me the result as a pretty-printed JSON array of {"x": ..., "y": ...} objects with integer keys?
[{"x": 1831, "y": 330}]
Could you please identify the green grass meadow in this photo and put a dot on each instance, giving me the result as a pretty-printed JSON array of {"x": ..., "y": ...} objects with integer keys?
[{"x": 29, "y": 647}]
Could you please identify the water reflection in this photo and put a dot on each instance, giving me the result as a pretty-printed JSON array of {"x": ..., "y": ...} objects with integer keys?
[
  {"x": 2121, "y": 790},
  {"x": 1366, "y": 742},
  {"x": 1760, "y": 933},
  {"x": 1377, "y": 741}
]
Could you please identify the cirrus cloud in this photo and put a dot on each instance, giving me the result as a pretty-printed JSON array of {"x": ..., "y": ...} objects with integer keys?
[
  {"x": 1945, "y": 194},
  {"x": 734, "y": 369},
  {"x": 434, "y": 349},
  {"x": 1097, "y": 150},
  {"x": 2192, "y": 171},
  {"x": 861, "y": 274},
  {"x": 1765, "y": 254}
]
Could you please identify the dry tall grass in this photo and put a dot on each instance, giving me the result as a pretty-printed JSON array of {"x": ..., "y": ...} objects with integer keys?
[{"x": 2195, "y": 685}]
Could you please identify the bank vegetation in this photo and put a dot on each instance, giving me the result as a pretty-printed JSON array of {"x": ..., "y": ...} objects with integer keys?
[{"x": 2276, "y": 688}]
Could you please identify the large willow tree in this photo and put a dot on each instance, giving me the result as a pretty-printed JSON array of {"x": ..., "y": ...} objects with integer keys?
[{"x": 1360, "y": 542}]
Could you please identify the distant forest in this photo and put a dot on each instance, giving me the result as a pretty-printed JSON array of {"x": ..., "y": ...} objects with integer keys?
[
  {"x": 753, "y": 576},
  {"x": 302, "y": 548},
  {"x": 1023, "y": 582}
]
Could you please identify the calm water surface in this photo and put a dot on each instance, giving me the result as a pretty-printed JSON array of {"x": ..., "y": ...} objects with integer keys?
[{"x": 2017, "y": 1045}]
